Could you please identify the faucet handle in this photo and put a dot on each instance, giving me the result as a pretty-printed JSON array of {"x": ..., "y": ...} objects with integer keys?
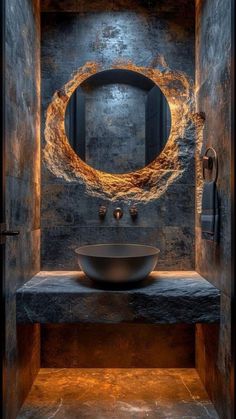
[
  {"x": 102, "y": 211},
  {"x": 133, "y": 212},
  {"x": 207, "y": 162}
]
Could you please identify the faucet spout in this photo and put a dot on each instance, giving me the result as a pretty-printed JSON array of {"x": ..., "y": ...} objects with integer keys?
[{"x": 118, "y": 213}]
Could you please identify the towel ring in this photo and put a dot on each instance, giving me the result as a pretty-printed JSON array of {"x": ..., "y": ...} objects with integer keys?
[{"x": 210, "y": 163}]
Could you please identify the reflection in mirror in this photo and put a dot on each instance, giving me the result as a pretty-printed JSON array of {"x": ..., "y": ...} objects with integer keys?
[{"x": 118, "y": 121}]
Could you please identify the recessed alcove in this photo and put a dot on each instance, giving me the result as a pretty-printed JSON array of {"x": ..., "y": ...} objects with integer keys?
[{"x": 107, "y": 338}]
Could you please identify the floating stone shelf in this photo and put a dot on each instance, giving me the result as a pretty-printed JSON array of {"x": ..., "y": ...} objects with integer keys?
[{"x": 164, "y": 297}]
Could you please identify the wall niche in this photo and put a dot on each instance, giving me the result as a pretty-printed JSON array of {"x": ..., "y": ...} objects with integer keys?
[{"x": 78, "y": 43}]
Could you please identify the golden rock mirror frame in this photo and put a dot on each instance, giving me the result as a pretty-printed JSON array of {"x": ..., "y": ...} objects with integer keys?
[{"x": 144, "y": 184}]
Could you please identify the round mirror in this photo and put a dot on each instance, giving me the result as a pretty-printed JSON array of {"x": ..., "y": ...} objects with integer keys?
[{"x": 118, "y": 121}]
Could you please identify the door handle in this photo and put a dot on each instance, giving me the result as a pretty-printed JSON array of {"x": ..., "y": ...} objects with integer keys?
[
  {"x": 4, "y": 233},
  {"x": 9, "y": 233}
]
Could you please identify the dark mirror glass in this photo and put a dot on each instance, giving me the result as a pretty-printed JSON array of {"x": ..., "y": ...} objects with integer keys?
[{"x": 118, "y": 121}]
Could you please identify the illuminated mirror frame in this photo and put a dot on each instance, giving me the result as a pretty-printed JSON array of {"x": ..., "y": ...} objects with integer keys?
[{"x": 144, "y": 184}]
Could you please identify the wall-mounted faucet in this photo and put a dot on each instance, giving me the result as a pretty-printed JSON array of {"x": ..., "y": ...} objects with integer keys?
[
  {"x": 102, "y": 211},
  {"x": 118, "y": 213},
  {"x": 133, "y": 212}
]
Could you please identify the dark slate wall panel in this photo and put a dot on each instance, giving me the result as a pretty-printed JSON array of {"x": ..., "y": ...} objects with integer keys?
[
  {"x": 106, "y": 32},
  {"x": 213, "y": 261},
  {"x": 22, "y": 188},
  {"x": 60, "y": 243},
  {"x": 213, "y": 98}
]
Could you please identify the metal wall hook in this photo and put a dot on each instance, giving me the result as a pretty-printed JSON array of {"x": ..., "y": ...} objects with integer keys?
[
  {"x": 210, "y": 163},
  {"x": 4, "y": 232}
]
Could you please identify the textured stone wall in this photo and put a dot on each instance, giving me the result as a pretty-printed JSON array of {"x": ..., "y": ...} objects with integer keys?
[
  {"x": 22, "y": 187},
  {"x": 157, "y": 41},
  {"x": 213, "y": 261}
]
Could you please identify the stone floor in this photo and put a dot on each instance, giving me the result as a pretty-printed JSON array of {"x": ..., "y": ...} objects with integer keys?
[{"x": 117, "y": 393}]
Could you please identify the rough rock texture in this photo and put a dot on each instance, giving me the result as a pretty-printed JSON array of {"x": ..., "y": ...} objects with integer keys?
[
  {"x": 103, "y": 345},
  {"x": 22, "y": 133},
  {"x": 158, "y": 41},
  {"x": 213, "y": 261},
  {"x": 165, "y": 297},
  {"x": 118, "y": 394}
]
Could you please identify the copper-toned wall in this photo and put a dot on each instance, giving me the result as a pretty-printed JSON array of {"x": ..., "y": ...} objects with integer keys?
[
  {"x": 22, "y": 85},
  {"x": 213, "y": 261},
  {"x": 117, "y": 346}
]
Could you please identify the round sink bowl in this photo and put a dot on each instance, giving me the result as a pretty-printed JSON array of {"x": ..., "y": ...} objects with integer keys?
[{"x": 117, "y": 263}]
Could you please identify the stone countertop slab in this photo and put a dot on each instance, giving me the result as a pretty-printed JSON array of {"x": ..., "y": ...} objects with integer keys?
[{"x": 164, "y": 297}]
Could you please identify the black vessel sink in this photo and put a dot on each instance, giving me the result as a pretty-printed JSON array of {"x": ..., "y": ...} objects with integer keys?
[{"x": 117, "y": 263}]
